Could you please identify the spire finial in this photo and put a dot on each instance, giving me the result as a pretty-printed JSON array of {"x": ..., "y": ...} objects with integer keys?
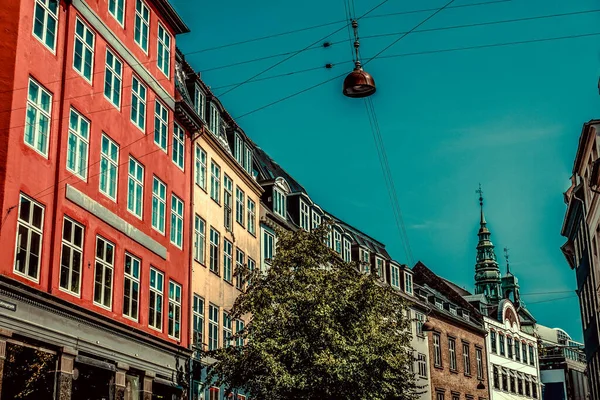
[
  {"x": 480, "y": 191},
  {"x": 507, "y": 262}
]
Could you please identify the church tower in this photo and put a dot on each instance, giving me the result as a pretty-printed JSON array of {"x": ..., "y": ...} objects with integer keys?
[
  {"x": 510, "y": 284},
  {"x": 487, "y": 271}
]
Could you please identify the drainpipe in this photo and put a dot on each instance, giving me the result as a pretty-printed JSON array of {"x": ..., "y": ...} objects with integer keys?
[{"x": 61, "y": 107}]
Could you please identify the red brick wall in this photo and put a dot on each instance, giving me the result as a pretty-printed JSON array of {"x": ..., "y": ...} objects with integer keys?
[{"x": 457, "y": 382}]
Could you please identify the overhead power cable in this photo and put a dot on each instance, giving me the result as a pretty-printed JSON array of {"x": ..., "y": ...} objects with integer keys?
[
  {"x": 308, "y": 28},
  {"x": 443, "y": 28}
]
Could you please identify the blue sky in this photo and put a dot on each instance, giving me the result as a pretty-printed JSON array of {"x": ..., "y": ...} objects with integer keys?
[{"x": 508, "y": 117}]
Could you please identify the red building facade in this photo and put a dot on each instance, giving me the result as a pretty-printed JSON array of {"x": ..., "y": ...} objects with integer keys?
[{"x": 94, "y": 191}]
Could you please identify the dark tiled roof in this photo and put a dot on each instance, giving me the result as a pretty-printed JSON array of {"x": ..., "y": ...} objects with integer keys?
[{"x": 271, "y": 170}]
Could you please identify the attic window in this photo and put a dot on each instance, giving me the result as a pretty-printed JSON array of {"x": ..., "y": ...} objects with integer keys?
[
  {"x": 199, "y": 102},
  {"x": 465, "y": 315},
  {"x": 453, "y": 309},
  {"x": 439, "y": 304}
]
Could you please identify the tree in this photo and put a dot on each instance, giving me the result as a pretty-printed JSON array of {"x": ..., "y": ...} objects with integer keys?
[{"x": 319, "y": 330}]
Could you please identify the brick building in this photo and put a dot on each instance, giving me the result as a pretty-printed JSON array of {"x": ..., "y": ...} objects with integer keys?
[
  {"x": 94, "y": 198},
  {"x": 457, "y": 347}
]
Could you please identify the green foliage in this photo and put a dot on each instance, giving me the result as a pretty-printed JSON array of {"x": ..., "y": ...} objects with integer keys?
[{"x": 319, "y": 330}]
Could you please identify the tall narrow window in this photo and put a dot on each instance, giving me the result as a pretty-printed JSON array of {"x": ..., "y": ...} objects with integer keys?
[
  {"x": 379, "y": 266},
  {"x": 105, "y": 258},
  {"x": 316, "y": 220},
  {"x": 214, "y": 251},
  {"x": 176, "y": 221},
  {"x": 502, "y": 348},
  {"x": 138, "y": 104},
  {"x": 239, "y": 265},
  {"x": 337, "y": 242},
  {"x": 83, "y": 50},
  {"x": 238, "y": 149},
  {"x": 364, "y": 260},
  {"x": 199, "y": 102},
  {"x": 215, "y": 120},
  {"x": 200, "y": 167},
  {"x": 248, "y": 160},
  {"x": 509, "y": 346},
  {"x": 268, "y": 245},
  {"x": 479, "y": 355},
  {"x": 161, "y": 123},
  {"x": 215, "y": 182},
  {"x": 227, "y": 259},
  {"x": 239, "y": 327},
  {"x": 178, "y": 146},
  {"x": 531, "y": 356},
  {"x": 251, "y": 217},
  {"x": 467, "y": 358},
  {"x": 77, "y": 148},
  {"x": 240, "y": 200},
  {"x": 199, "y": 239},
  {"x": 198, "y": 322},
  {"x": 156, "y": 299},
  {"x": 227, "y": 330},
  {"x": 71, "y": 256},
  {"x": 213, "y": 327},
  {"x": 496, "y": 378},
  {"x": 493, "y": 342},
  {"x": 142, "y": 22},
  {"x": 437, "y": 350},
  {"x": 163, "y": 59},
  {"x": 159, "y": 205},
  {"x": 37, "y": 121},
  {"x": 395, "y": 276},
  {"x": 408, "y": 284},
  {"x": 112, "y": 79},
  {"x": 117, "y": 10},
  {"x": 45, "y": 22},
  {"x": 524, "y": 352},
  {"x": 251, "y": 266},
  {"x": 347, "y": 251},
  {"x": 279, "y": 202},
  {"x": 109, "y": 167},
  {"x": 131, "y": 289},
  {"x": 228, "y": 202},
  {"x": 452, "y": 353},
  {"x": 174, "y": 310},
  {"x": 135, "y": 188},
  {"x": 304, "y": 216},
  {"x": 420, "y": 320}
]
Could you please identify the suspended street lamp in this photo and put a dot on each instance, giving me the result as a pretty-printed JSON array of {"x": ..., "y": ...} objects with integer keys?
[{"x": 358, "y": 83}]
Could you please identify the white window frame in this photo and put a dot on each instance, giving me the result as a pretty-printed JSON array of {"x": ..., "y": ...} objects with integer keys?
[
  {"x": 267, "y": 248},
  {"x": 452, "y": 354},
  {"x": 239, "y": 342},
  {"x": 135, "y": 187},
  {"x": 115, "y": 12},
  {"x": 304, "y": 216},
  {"x": 408, "y": 283},
  {"x": 227, "y": 329},
  {"x": 138, "y": 103},
  {"x": 177, "y": 210},
  {"x": 109, "y": 167},
  {"x": 36, "y": 107},
  {"x": 279, "y": 202},
  {"x": 240, "y": 258},
  {"x": 115, "y": 78},
  {"x": 379, "y": 264},
  {"x": 161, "y": 126},
  {"x": 131, "y": 280},
  {"x": 238, "y": 149},
  {"x": 143, "y": 22},
  {"x": 31, "y": 228},
  {"x": 44, "y": 4},
  {"x": 467, "y": 358},
  {"x": 395, "y": 276},
  {"x": 159, "y": 200},
  {"x": 316, "y": 220},
  {"x": 228, "y": 202},
  {"x": 200, "y": 102},
  {"x": 164, "y": 42},
  {"x": 156, "y": 291},
  {"x": 347, "y": 250},
  {"x": 227, "y": 261},
  {"x": 215, "y": 182},
  {"x": 178, "y": 151},
  {"x": 107, "y": 266},
  {"x": 251, "y": 217},
  {"x": 337, "y": 241},
  {"x": 213, "y": 327},
  {"x": 479, "y": 355},
  {"x": 422, "y": 365},
  {"x": 419, "y": 321},
  {"x": 174, "y": 310},
  {"x": 248, "y": 159},
  {"x": 78, "y": 144},
  {"x": 201, "y": 170},
  {"x": 437, "y": 350},
  {"x": 240, "y": 209},
  {"x": 198, "y": 321},
  {"x": 73, "y": 248},
  {"x": 86, "y": 48},
  {"x": 215, "y": 120},
  {"x": 199, "y": 239},
  {"x": 215, "y": 247}
]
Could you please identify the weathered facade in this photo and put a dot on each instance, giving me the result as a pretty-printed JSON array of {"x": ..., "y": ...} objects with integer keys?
[
  {"x": 581, "y": 227},
  {"x": 94, "y": 267}
]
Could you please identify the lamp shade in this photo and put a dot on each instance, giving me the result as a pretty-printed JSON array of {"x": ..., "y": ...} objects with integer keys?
[
  {"x": 358, "y": 83},
  {"x": 427, "y": 326}
]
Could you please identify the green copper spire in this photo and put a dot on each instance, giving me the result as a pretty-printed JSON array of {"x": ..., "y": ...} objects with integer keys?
[{"x": 487, "y": 271}]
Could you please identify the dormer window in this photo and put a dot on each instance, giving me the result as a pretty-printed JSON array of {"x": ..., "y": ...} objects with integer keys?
[
  {"x": 337, "y": 241},
  {"x": 465, "y": 315},
  {"x": 316, "y": 220},
  {"x": 395, "y": 276},
  {"x": 347, "y": 253},
  {"x": 280, "y": 192},
  {"x": 364, "y": 259},
  {"x": 379, "y": 266},
  {"x": 200, "y": 103},
  {"x": 453, "y": 309},
  {"x": 248, "y": 159},
  {"x": 439, "y": 304},
  {"x": 304, "y": 216},
  {"x": 215, "y": 120},
  {"x": 238, "y": 149},
  {"x": 408, "y": 283}
]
